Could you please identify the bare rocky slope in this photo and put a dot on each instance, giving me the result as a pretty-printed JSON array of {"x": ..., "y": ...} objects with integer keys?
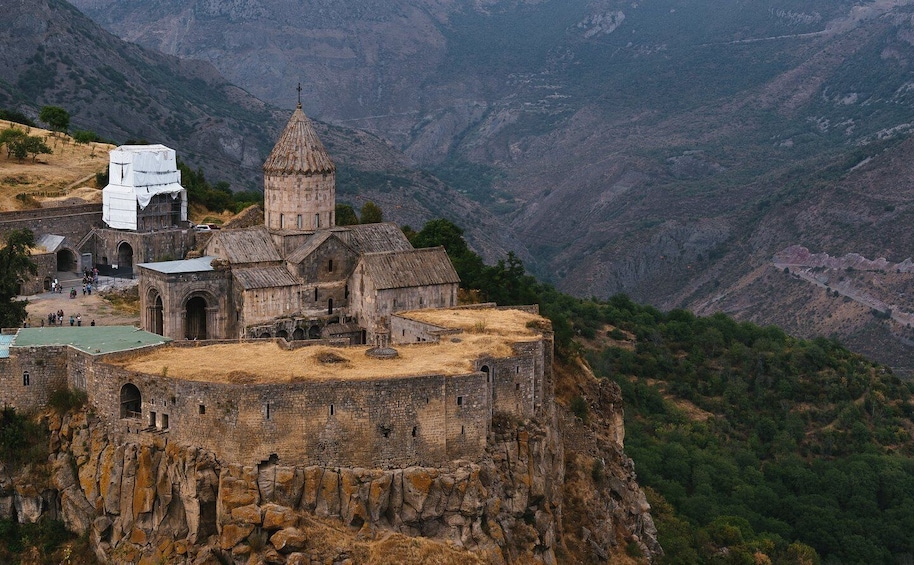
[
  {"x": 658, "y": 149},
  {"x": 536, "y": 498}
]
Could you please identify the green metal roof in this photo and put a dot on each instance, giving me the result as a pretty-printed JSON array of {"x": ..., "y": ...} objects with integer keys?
[{"x": 96, "y": 340}]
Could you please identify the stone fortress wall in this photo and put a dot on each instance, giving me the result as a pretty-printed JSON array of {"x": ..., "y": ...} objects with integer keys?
[
  {"x": 73, "y": 222},
  {"x": 383, "y": 422}
]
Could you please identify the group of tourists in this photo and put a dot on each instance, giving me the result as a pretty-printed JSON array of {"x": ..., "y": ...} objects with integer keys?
[
  {"x": 56, "y": 287},
  {"x": 90, "y": 279},
  {"x": 56, "y": 319}
]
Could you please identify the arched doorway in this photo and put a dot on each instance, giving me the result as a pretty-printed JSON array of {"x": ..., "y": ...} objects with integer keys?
[
  {"x": 283, "y": 334},
  {"x": 155, "y": 321},
  {"x": 66, "y": 261},
  {"x": 195, "y": 318},
  {"x": 298, "y": 334},
  {"x": 131, "y": 402},
  {"x": 124, "y": 257},
  {"x": 314, "y": 332}
]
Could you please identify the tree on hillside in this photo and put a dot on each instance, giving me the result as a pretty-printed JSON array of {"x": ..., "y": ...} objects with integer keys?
[
  {"x": 345, "y": 215},
  {"x": 34, "y": 146},
  {"x": 444, "y": 232},
  {"x": 14, "y": 266},
  {"x": 56, "y": 117},
  {"x": 20, "y": 145},
  {"x": 8, "y": 136},
  {"x": 371, "y": 213}
]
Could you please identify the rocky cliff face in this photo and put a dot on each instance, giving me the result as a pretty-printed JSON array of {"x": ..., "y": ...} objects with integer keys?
[{"x": 155, "y": 501}]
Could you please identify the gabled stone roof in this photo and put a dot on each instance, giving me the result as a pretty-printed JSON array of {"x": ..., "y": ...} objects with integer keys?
[
  {"x": 249, "y": 245},
  {"x": 375, "y": 238},
  {"x": 263, "y": 277},
  {"x": 403, "y": 269},
  {"x": 299, "y": 150},
  {"x": 313, "y": 243}
]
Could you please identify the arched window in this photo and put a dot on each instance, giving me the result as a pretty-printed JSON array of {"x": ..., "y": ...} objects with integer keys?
[{"x": 25, "y": 378}]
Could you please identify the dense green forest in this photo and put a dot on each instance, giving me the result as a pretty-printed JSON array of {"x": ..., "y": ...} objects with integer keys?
[{"x": 753, "y": 446}]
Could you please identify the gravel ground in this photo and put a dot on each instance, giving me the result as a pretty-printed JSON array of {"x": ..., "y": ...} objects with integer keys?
[{"x": 91, "y": 307}]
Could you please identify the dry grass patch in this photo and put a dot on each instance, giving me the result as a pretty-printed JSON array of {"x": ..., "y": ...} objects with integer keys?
[
  {"x": 125, "y": 301},
  {"x": 491, "y": 321},
  {"x": 52, "y": 179},
  {"x": 248, "y": 363}
]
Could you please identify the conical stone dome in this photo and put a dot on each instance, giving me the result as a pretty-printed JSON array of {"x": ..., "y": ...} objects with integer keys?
[
  {"x": 299, "y": 180},
  {"x": 299, "y": 150}
]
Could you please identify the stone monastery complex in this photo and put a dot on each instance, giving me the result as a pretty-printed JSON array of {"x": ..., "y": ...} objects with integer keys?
[{"x": 296, "y": 340}]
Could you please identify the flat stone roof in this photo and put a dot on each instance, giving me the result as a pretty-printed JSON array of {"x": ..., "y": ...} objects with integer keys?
[
  {"x": 182, "y": 266},
  {"x": 96, "y": 340}
]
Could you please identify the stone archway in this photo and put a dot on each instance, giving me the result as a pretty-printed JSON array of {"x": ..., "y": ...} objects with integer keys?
[
  {"x": 298, "y": 334},
  {"x": 314, "y": 332},
  {"x": 195, "y": 318},
  {"x": 66, "y": 261},
  {"x": 124, "y": 257},
  {"x": 131, "y": 402}
]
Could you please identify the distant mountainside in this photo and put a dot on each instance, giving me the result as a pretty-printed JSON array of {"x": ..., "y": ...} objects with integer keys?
[
  {"x": 664, "y": 149},
  {"x": 50, "y": 53}
]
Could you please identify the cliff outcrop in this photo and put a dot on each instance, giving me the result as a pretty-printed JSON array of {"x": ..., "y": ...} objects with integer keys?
[{"x": 152, "y": 501}]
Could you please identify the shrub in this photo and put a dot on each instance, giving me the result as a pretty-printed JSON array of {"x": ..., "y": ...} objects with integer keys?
[
  {"x": 85, "y": 136},
  {"x": 579, "y": 408},
  {"x": 22, "y": 441},
  {"x": 63, "y": 400}
]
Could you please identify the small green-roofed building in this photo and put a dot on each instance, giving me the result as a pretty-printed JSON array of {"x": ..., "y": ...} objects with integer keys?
[{"x": 95, "y": 340}]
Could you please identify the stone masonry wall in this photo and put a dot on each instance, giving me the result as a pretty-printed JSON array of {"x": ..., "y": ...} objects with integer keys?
[
  {"x": 73, "y": 222},
  {"x": 147, "y": 247},
  {"x": 29, "y": 375},
  {"x": 291, "y": 201},
  {"x": 46, "y": 264},
  {"x": 425, "y": 420}
]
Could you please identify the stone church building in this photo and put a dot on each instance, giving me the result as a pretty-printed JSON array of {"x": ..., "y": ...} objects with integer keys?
[{"x": 298, "y": 276}]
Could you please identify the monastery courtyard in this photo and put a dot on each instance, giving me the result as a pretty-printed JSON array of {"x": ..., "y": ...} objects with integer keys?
[{"x": 92, "y": 307}]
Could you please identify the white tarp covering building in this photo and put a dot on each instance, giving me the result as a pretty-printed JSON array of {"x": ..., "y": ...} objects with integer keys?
[{"x": 144, "y": 189}]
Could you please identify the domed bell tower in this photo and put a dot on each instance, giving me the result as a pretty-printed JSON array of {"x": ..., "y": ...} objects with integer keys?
[{"x": 299, "y": 179}]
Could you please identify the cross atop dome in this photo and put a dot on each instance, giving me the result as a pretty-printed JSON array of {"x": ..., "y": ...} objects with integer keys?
[{"x": 299, "y": 95}]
